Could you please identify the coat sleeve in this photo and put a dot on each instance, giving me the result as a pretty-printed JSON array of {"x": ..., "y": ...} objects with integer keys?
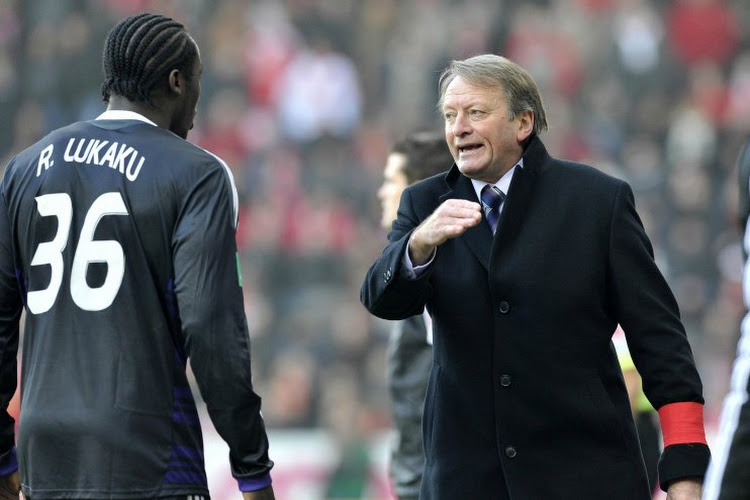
[
  {"x": 650, "y": 317},
  {"x": 210, "y": 301},
  {"x": 387, "y": 292}
]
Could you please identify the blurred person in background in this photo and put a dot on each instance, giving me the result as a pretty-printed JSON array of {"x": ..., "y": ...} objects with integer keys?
[
  {"x": 413, "y": 158},
  {"x": 526, "y": 398},
  {"x": 118, "y": 237},
  {"x": 644, "y": 414},
  {"x": 728, "y": 475}
]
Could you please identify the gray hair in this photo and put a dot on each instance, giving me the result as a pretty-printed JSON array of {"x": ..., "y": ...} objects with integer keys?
[{"x": 490, "y": 70}]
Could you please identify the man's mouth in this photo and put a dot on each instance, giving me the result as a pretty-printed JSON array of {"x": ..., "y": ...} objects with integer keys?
[{"x": 468, "y": 148}]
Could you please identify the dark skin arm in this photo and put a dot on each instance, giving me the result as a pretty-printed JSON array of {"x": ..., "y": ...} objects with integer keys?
[
  {"x": 10, "y": 486},
  {"x": 264, "y": 494}
]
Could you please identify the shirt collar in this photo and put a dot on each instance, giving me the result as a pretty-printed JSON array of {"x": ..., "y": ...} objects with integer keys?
[
  {"x": 503, "y": 184},
  {"x": 122, "y": 114}
]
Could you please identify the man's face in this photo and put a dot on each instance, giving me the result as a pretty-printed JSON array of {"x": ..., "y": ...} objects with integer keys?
[
  {"x": 484, "y": 142},
  {"x": 394, "y": 183},
  {"x": 185, "y": 115}
]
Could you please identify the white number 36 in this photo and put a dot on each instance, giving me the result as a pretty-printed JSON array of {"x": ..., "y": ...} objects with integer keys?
[{"x": 88, "y": 251}]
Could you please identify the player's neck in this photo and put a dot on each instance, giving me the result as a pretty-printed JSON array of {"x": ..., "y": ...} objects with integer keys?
[{"x": 151, "y": 112}]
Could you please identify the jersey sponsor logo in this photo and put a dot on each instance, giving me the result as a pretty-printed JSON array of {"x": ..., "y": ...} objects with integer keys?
[{"x": 103, "y": 153}]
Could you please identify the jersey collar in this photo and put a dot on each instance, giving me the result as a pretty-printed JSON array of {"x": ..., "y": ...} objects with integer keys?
[{"x": 121, "y": 114}]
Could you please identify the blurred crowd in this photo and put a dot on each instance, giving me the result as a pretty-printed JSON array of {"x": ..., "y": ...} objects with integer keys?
[{"x": 303, "y": 99}]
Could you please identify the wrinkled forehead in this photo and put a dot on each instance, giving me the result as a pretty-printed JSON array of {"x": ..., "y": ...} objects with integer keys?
[{"x": 461, "y": 92}]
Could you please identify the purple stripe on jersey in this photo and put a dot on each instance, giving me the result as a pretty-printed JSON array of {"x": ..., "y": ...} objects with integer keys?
[
  {"x": 187, "y": 452},
  {"x": 184, "y": 405},
  {"x": 186, "y": 466},
  {"x": 180, "y": 464},
  {"x": 184, "y": 418},
  {"x": 185, "y": 477},
  {"x": 179, "y": 358},
  {"x": 171, "y": 301},
  {"x": 22, "y": 280},
  {"x": 182, "y": 393},
  {"x": 254, "y": 483},
  {"x": 9, "y": 463}
]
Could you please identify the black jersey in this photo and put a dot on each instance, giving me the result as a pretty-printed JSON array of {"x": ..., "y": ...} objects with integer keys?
[
  {"x": 119, "y": 238},
  {"x": 728, "y": 475}
]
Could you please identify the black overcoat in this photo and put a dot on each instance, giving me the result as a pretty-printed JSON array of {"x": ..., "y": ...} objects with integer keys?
[{"x": 526, "y": 398}]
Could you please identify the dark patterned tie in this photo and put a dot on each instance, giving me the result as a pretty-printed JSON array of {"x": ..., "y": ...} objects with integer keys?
[{"x": 492, "y": 198}]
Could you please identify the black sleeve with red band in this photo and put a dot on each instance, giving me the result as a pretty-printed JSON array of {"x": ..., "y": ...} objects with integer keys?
[
  {"x": 683, "y": 461},
  {"x": 686, "y": 454}
]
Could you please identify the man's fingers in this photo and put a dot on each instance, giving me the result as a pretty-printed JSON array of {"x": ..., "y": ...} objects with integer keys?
[
  {"x": 460, "y": 203},
  {"x": 462, "y": 209},
  {"x": 449, "y": 220}
]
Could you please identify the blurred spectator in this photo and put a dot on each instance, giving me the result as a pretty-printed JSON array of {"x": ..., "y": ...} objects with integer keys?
[
  {"x": 702, "y": 30},
  {"x": 319, "y": 94}
]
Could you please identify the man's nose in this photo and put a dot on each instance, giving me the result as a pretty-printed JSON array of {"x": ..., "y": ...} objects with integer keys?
[{"x": 461, "y": 125}]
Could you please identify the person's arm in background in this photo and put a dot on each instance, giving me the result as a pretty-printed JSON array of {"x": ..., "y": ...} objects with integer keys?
[
  {"x": 11, "y": 306},
  {"x": 632, "y": 384},
  {"x": 629, "y": 373},
  {"x": 209, "y": 296}
]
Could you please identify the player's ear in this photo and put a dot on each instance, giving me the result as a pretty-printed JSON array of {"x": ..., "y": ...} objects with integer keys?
[{"x": 176, "y": 81}]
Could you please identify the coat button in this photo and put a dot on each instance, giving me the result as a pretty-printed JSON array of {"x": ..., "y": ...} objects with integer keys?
[
  {"x": 505, "y": 380},
  {"x": 387, "y": 275},
  {"x": 510, "y": 452},
  {"x": 504, "y": 307}
]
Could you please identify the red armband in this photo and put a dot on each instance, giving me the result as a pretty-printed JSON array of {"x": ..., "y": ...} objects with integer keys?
[{"x": 682, "y": 423}]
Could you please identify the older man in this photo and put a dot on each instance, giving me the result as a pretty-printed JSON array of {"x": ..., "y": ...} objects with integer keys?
[{"x": 526, "y": 264}]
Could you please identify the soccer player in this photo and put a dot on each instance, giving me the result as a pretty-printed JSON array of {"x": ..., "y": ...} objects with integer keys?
[{"x": 118, "y": 236}]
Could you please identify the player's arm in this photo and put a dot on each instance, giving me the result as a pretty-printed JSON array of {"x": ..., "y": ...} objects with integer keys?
[
  {"x": 210, "y": 300},
  {"x": 10, "y": 486},
  {"x": 10, "y": 312},
  {"x": 264, "y": 494}
]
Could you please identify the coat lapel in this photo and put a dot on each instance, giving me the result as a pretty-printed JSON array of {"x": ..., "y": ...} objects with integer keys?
[
  {"x": 519, "y": 196},
  {"x": 479, "y": 237}
]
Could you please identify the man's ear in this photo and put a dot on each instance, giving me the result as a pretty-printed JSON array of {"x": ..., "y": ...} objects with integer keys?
[
  {"x": 525, "y": 125},
  {"x": 176, "y": 81}
]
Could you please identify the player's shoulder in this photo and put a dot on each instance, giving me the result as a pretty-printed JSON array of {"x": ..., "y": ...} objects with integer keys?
[
  {"x": 158, "y": 141},
  {"x": 188, "y": 153},
  {"x": 51, "y": 137}
]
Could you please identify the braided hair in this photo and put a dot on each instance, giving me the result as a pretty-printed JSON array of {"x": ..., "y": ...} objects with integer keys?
[{"x": 140, "y": 52}]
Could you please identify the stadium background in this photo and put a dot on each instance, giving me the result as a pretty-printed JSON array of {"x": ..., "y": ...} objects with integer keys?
[{"x": 303, "y": 99}]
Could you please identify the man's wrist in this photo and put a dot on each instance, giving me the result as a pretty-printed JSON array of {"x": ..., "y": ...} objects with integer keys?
[{"x": 419, "y": 254}]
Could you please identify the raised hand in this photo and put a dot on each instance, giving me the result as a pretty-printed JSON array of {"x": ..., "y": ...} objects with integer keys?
[{"x": 452, "y": 218}]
